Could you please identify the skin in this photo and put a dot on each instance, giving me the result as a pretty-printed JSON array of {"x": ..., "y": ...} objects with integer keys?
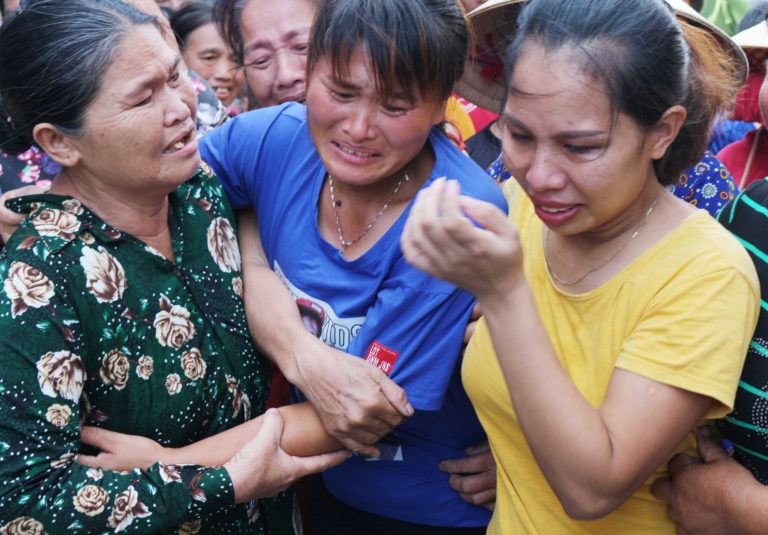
[
  {"x": 367, "y": 144},
  {"x": 207, "y": 54},
  {"x": 567, "y": 152},
  {"x": 275, "y": 41},
  {"x": 145, "y": 97},
  {"x": 715, "y": 494},
  {"x": 142, "y": 91}
]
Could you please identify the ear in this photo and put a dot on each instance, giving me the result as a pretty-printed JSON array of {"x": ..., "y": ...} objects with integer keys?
[
  {"x": 439, "y": 114},
  {"x": 665, "y": 131},
  {"x": 59, "y": 146}
]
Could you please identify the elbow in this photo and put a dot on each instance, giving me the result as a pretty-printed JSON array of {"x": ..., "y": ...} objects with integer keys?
[{"x": 586, "y": 505}]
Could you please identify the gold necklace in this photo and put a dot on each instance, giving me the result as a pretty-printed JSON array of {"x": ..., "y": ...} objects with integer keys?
[
  {"x": 599, "y": 266},
  {"x": 344, "y": 243}
]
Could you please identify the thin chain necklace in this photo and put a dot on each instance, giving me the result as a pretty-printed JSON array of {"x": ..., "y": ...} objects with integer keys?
[
  {"x": 344, "y": 243},
  {"x": 601, "y": 265}
]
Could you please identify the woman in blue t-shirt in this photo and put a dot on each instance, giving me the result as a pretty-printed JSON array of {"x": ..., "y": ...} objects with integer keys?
[{"x": 332, "y": 184}]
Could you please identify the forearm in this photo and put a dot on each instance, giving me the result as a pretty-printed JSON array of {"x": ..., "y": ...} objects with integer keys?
[
  {"x": 273, "y": 317},
  {"x": 605, "y": 461},
  {"x": 303, "y": 436}
]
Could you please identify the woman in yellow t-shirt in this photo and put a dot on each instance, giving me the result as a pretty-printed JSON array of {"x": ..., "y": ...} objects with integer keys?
[{"x": 617, "y": 317}]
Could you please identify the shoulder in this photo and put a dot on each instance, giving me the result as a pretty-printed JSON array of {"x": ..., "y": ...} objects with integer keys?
[
  {"x": 701, "y": 246},
  {"x": 244, "y": 138},
  {"x": 455, "y": 165}
]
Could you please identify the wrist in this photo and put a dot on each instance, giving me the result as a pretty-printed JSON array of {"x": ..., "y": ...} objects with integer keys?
[
  {"x": 499, "y": 299},
  {"x": 748, "y": 509}
]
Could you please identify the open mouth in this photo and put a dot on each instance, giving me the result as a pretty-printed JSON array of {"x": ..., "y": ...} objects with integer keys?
[
  {"x": 356, "y": 153},
  {"x": 180, "y": 143},
  {"x": 554, "y": 210},
  {"x": 223, "y": 93}
]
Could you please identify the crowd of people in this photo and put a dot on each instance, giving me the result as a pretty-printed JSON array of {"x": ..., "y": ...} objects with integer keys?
[{"x": 383, "y": 266}]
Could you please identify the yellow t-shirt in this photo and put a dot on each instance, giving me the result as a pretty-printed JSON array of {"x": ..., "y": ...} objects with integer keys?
[{"x": 681, "y": 314}]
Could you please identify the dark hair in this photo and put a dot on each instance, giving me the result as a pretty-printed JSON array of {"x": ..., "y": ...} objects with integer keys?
[
  {"x": 228, "y": 15},
  {"x": 639, "y": 51},
  {"x": 188, "y": 19},
  {"x": 418, "y": 46},
  {"x": 52, "y": 58}
]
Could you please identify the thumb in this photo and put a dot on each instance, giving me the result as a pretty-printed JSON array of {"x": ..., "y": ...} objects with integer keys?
[
  {"x": 273, "y": 426},
  {"x": 396, "y": 396},
  {"x": 485, "y": 214},
  {"x": 319, "y": 463},
  {"x": 709, "y": 449}
]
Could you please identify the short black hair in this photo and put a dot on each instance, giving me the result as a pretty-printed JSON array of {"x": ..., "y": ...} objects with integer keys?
[
  {"x": 416, "y": 46},
  {"x": 189, "y": 18}
]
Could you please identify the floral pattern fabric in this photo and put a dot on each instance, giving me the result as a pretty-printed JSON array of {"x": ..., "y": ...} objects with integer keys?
[{"x": 100, "y": 329}]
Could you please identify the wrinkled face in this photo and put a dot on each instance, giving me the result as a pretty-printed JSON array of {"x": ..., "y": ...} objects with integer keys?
[
  {"x": 361, "y": 137},
  {"x": 208, "y": 55},
  {"x": 583, "y": 166},
  {"x": 139, "y": 132},
  {"x": 275, "y": 42}
]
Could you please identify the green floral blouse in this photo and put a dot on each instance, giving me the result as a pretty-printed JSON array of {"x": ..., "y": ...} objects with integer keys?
[{"x": 98, "y": 328}]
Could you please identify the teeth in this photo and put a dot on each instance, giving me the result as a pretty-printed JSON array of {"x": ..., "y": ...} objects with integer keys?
[
  {"x": 354, "y": 152},
  {"x": 554, "y": 210},
  {"x": 175, "y": 147}
]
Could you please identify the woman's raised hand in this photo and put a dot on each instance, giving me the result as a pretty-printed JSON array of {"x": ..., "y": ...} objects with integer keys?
[
  {"x": 464, "y": 241},
  {"x": 261, "y": 468}
]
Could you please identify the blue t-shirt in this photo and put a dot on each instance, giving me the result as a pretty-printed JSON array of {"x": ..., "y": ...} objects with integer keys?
[{"x": 377, "y": 306}]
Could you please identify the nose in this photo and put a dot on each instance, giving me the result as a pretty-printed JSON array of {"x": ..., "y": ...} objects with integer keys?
[
  {"x": 540, "y": 168},
  {"x": 181, "y": 102},
  {"x": 359, "y": 123},
  {"x": 291, "y": 69},
  {"x": 222, "y": 70}
]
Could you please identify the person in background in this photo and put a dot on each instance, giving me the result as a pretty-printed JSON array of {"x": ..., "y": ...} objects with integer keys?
[
  {"x": 707, "y": 185},
  {"x": 586, "y": 369},
  {"x": 33, "y": 167},
  {"x": 270, "y": 40},
  {"x": 122, "y": 294},
  {"x": 747, "y": 158},
  {"x": 722, "y": 491},
  {"x": 205, "y": 52}
]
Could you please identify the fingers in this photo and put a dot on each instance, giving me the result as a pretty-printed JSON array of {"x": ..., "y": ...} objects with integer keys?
[
  {"x": 91, "y": 461},
  {"x": 486, "y": 498},
  {"x": 662, "y": 489},
  {"x": 98, "y": 438},
  {"x": 486, "y": 215},
  {"x": 319, "y": 463},
  {"x": 483, "y": 447},
  {"x": 680, "y": 461},
  {"x": 273, "y": 425},
  {"x": 709, "y": 449},
  {"x": 397, "y": 397}
]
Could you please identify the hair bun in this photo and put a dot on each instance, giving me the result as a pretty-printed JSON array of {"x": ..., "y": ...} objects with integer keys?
[{"x": 12, "y": 140}]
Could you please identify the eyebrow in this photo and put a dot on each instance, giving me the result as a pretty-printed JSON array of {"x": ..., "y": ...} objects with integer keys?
[
  {"x": 566, "y": 134},
  {"x": 263, "y": 43},
  {"x": 149, "y": 81}
]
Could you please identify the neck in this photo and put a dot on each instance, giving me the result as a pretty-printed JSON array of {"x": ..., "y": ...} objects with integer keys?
[{"x": 144, "y": 216}]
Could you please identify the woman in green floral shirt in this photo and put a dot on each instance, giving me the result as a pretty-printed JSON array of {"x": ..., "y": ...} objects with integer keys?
[{"x": 121, "y": 302}]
